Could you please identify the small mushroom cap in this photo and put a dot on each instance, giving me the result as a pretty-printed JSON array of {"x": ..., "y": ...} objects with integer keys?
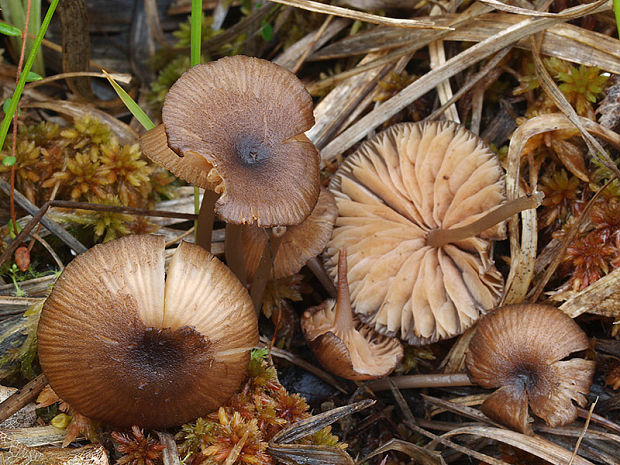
[
  {"x": 405, "y": 182},
  {"x": 246, "y": 117},
  {"x": 346, "y": 348},
  {"x": 520, "y": 349},
  {"x": 299, "y": 244},
  {"x": 358, "y": 353},
  {"x": 125, "y": 345}
]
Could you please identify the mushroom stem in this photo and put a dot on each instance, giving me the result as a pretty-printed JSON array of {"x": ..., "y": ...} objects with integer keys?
[
  {"x": 344, "y": 314},
  {"x": 206, "y": 216},
  {"x": 440, "y": 237},
  {"x": 233, "y": 251},
  {"x": 422, "y": 381},
  {"x": 319, "y": 272},
  {"x": 263, "y": 272}
]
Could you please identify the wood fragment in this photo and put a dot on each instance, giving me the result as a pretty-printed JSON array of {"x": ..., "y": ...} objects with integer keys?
[
  {"x": 600, "y": 298},
  {"x": 26, "y": 394}
]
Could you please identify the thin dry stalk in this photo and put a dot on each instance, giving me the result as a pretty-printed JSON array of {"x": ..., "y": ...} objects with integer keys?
[
  {"x": 438, "y": 57},
  {"x": 318, "y": 7},
  {"x": 583, "y": 433},
  {"x": 458, "y": 63},
  {"x": 118, "y": 77},
  {"x": 535, "y": 445},
  {"x": 311, "y": 45},
  {"x": 421, "y": 381}
]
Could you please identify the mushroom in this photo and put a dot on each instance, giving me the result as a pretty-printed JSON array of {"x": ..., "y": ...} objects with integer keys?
[
  {"x": 347, "y": 351},
  {"x": 126, "y": 345},
  {"x": 238, "y": 123},
  {"x": 299, "y": 243},
  {"x": 413, "y": 206},
  {"x": 521, "y": 349}
]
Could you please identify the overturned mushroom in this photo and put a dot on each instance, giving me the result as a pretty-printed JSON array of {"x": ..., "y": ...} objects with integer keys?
[
  {"x": 124, "y": 344},
  {"x": 413, "y": 212},
  {"x": 520, "y": 349},
  {"x": 236, "y": 126},
  {"x": 352, "y": 353}
]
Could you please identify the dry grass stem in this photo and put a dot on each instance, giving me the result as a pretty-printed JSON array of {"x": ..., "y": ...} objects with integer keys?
[
  {"x": 318, "y": 7},
  {"x": 453, "y": 66}
]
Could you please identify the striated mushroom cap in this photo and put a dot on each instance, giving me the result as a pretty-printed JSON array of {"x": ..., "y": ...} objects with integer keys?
[
  {"x": 124, "y": 344},
  {"x": 239, "y": 125},
  {"x": 520, "y": 349},
  {"x": 299, "y": 243},
  {"x": 344, "y": 347},
  {"x": 405, "y": 182}
]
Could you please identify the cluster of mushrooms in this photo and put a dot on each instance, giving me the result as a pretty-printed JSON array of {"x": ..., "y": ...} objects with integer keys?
[{"x": 407, "y": 229}]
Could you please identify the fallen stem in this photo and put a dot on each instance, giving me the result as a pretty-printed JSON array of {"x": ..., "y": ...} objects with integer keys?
[
  {"x": 432, "y": 380},
  {"x": 440, "y": 237}
]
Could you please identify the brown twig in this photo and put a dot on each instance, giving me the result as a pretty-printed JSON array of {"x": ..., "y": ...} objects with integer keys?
[
  {"x": 311, "y": 45},
  {"x": 55, "y": 228},
  {"x": 26, "y": 394},
  {"x": 583, "y": 433}
]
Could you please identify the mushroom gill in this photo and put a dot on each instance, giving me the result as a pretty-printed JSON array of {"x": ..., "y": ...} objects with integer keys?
[{"x": 392, "y": 194}]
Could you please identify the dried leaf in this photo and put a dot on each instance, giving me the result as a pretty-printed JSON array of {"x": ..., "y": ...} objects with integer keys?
[
  {"x": 420, "y": 455},
  {"x": 535, "y": 445},
  {"x": 315, "y": 423},
  {"x": 300, "y": 454},
  {"x": 600, "y": 298}
]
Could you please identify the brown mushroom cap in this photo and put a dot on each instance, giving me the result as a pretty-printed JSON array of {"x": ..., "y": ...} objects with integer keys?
[
  {"x": 520, "y": 350},
  {"x": 344, "y": 347},
  {"x": 405, "y": 182},
  {"x": 122, "y": 345},
  {"x": 246, "y": 117},
  {"x": 299, "y": 243}
]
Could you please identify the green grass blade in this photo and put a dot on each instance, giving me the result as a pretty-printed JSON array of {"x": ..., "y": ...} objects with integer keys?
[
  {"x": 617, "y": 12},
  {"x": 196, "y": 32},
  {"x": 6, "y": 122},
  {"x": 130, "y": 103},
  {"x": 194, "y": 59}
]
